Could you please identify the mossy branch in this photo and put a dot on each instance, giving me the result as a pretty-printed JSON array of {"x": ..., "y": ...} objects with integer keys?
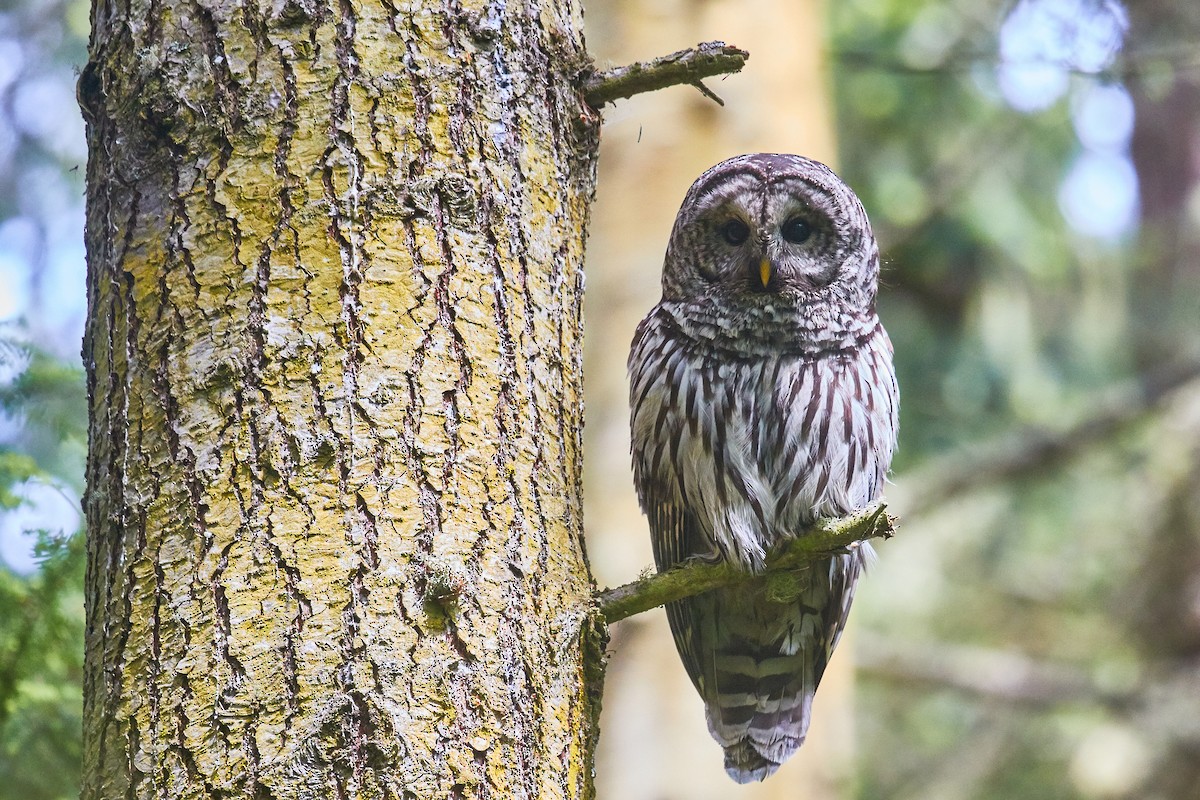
[
  {"x": 685, "y": 66},
  {"x": 827, "y": 536}
]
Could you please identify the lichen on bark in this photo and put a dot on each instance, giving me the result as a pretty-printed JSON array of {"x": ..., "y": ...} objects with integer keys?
[{"x": 333, "y": 352}]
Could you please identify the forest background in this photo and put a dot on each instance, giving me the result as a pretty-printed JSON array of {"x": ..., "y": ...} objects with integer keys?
[{"x": 1032, "y": 170}]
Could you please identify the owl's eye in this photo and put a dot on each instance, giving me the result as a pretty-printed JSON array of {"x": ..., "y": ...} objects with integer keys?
[
  {"x": 734, "y": 231},
  {"x": 796, "y": 230}
]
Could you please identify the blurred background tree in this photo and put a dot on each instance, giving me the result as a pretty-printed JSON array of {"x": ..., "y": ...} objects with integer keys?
[{"x": 1032, "y": 169}]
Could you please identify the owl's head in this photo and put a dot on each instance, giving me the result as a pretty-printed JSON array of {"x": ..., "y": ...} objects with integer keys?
[{"x": 768, "y": 230}]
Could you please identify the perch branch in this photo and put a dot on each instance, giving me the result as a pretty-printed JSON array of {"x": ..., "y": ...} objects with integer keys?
[
  {"x": 827, "y": 536},
  {"x": 685, "y": 66}
]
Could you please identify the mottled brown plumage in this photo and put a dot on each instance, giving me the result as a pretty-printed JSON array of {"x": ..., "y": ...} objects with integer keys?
[{"x": 763, "y": 397}]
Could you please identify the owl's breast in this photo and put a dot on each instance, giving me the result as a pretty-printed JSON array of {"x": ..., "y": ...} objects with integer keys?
[
  {"x": 757, "y": 448},
  {"x": 831, "y": 432}
]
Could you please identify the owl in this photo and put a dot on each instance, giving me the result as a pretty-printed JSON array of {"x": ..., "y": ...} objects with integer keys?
[{"x": 762, "y": 397}]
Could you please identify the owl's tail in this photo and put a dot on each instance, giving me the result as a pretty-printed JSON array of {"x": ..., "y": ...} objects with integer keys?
[
  {"x": 761, "y": 714},
  {"x": 756, "y": 653}
]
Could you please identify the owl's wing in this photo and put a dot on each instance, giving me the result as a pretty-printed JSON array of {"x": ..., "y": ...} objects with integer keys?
[
  {"x": 677, "y": 533},
  {"x": 676, "y": 537}
]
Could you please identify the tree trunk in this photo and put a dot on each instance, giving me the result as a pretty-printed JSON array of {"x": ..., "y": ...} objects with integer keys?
[
  {"x": 1166, "y": 153},
  {"x": 333, "y": 354}
]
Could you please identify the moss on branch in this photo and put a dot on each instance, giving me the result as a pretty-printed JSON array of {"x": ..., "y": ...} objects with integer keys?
[{"x": 827, "y": 536}]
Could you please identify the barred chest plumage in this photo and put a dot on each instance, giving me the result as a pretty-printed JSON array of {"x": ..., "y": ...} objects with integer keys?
[{"x": 761, "y": 443}]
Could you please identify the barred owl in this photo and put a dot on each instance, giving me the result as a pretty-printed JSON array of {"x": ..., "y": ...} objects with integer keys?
[{"x": 762, "y": 397}]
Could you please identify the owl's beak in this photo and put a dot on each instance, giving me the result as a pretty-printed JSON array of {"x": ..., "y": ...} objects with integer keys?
[{"x": 764, "y": 272}]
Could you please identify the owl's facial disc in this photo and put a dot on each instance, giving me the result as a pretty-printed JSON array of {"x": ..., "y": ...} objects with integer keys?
[
  {"x": 781, "y": 242},
  {"x": 768, "y": 237}
]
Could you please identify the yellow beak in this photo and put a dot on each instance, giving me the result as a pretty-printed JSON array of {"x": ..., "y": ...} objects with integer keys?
[{"x": 764, "y": 272}]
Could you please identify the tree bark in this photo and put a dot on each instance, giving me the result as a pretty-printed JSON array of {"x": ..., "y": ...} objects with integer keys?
[{"x": 333, "y": 355}]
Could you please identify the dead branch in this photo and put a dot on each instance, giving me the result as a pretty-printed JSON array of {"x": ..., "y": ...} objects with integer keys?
[{"x": 685, "y": 66}]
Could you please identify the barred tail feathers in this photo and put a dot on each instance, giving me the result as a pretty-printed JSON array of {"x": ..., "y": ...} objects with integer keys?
[
  {"x": 760, "y": 731},
  {"x": 757, "y": 662},
  {"x": 760, "y": 709}
]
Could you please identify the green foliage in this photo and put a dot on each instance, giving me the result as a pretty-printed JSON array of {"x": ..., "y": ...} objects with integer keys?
[
  {"x": 41, "y": 652},
  {"x": 982, "y": 278},
  {"x": 15, "y": 468},
  {"x": 47, "y": 399},
  {"x": 41, "y": 674}
]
